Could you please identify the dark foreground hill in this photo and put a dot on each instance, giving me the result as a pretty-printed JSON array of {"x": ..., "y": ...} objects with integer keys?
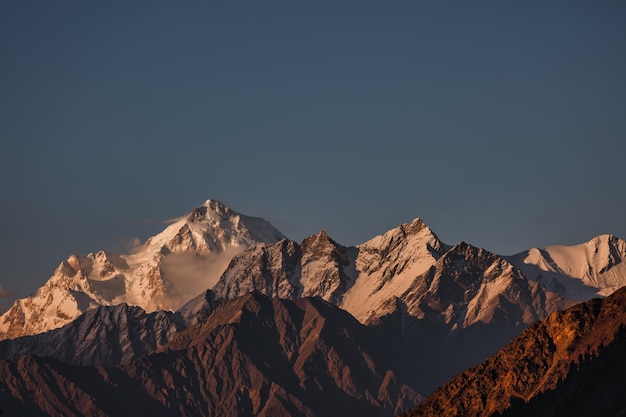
[{"x": 252, "y": 356}]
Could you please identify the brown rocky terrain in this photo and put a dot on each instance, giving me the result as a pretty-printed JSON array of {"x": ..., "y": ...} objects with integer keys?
[
  {"x": 543, "y": 358},
  {"x": 592, "y": 388}
]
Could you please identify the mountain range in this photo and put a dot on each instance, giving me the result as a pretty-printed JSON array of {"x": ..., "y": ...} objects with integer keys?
[{"x": 416, "y": 311}]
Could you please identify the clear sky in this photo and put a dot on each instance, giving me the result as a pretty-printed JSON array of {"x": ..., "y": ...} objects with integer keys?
[{"x": 499, "y": 123}]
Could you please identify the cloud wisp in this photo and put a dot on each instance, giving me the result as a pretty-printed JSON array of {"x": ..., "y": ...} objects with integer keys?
[
  {"x": 188, "y": 274},
  {"x": 6, "y": 299},
  {"x": 6, "y": 293}
]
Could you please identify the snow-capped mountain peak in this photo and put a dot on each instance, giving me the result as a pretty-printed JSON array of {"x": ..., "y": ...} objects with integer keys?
[
  {"x": 213, "y": 227},
  {"x": 410, "y": 243},
  {"x": 593, "y": 268},
  {"x": 388, "y": 264},
  {"x": 171, "y": 267}
]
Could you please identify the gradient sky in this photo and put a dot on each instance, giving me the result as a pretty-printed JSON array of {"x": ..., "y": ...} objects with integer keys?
[{"x": 502, "y": 124}]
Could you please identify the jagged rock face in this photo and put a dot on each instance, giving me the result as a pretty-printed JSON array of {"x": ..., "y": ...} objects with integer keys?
[
  {"x": 168, "y": 270},
  {"x": 252, "y": 356},
  {"x": 358, "y": 279},
  {"x": 534, "y": 362},
  {"x": 271, "y": 269},
  {"x": 107, "y": 336},
  {"x": 469, "y": 285},
  {"x": 317, "y": 267},
  {"x": 397, "y": 249},
  {"x": 327, "y": 268}
]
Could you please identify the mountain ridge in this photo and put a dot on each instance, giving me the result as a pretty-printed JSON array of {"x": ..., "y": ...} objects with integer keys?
[
  {"x": 189, "y": 256},
  {"x": 315, "y": 359}
]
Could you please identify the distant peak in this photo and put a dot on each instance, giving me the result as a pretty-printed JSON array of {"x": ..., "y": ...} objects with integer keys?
[
  {"x": 464, "y": 247},
  {"x": 414, "y": 227},
  {"x": 210, "y": 206},
  {"x": 321, "y": 238},
  {"x": 218, "y": 207},
  {"x": 606, "y": 238},
  {"x": 215, "y": 205},
  {"x": 321, "y": 235},
  {"x": 417, "y": 222}
]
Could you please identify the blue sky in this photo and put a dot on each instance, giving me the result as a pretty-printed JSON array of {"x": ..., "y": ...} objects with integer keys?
[{"x": 499, "y": 123}]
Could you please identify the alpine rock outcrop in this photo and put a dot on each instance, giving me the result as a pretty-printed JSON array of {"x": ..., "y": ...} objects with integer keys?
[{"x": 168, "y": 270}]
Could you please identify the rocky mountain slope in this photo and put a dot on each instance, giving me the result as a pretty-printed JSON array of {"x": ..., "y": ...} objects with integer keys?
[
  {"x": 108, "y": 335},
  {"x": 252, "y": 356},
  {"x": 317, "y": 267},
  {"x": 535, "y": 362},
  {"x": 592, "y": 388},
  {"x": 163, "y": 274}
]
